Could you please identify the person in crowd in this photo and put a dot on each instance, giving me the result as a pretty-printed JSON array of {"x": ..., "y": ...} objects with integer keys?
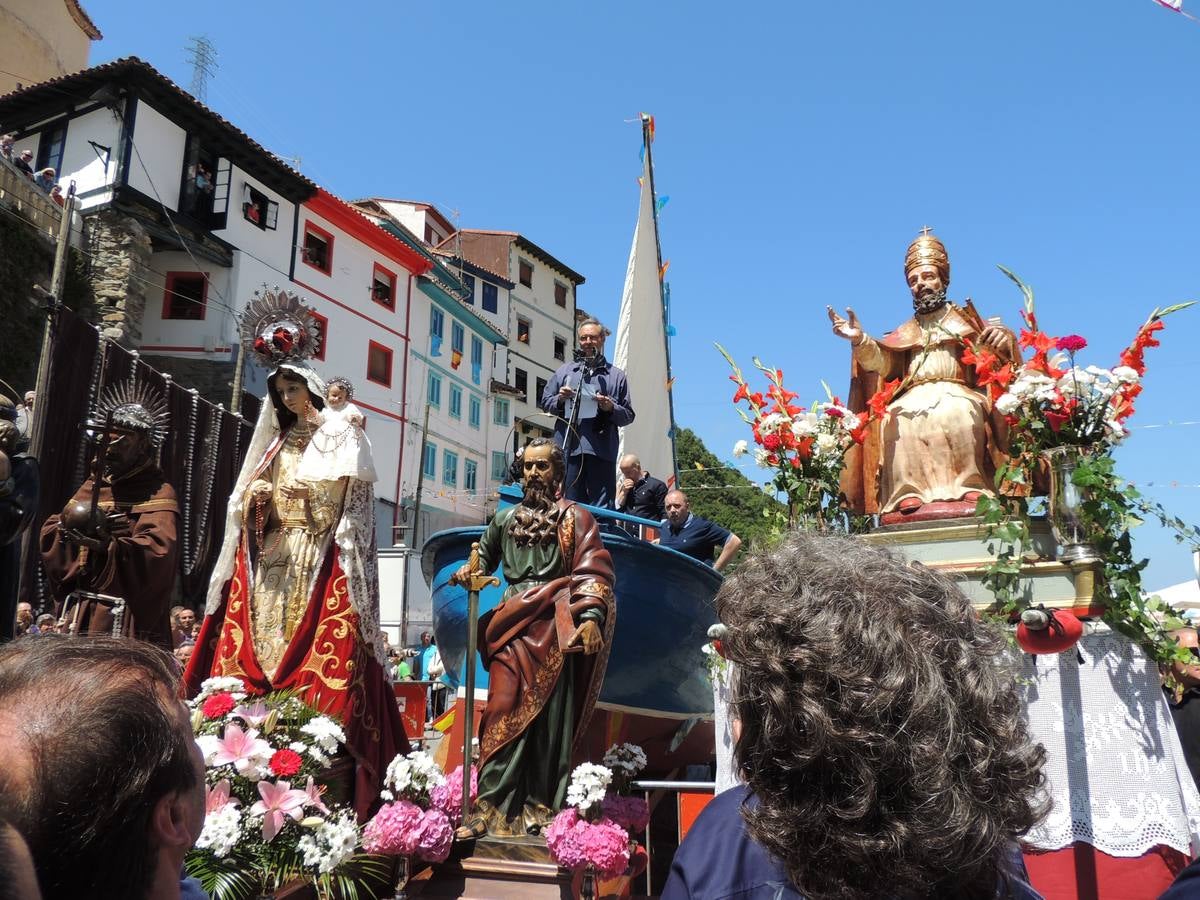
[
  {"x": 25, "y": 619},
  {"x": 183, "y": 654},
  {"x": 108, "y": 794},
  {"x": 699, "y": 538},
  {"x": 46, "y": 624},
  {"x": 45, "y": 179},
  {"x": 56, "y": 194},
  {"x": 417, "y": 652},
  {"x": 602, "y": 392},
  {"x": 24, "y": 162},
  {"x": 639, "y": 493},
  {"x": 183, "y": 622},
  {"x": 879, "y": 736},
  {"x": 6, "y": 146}
]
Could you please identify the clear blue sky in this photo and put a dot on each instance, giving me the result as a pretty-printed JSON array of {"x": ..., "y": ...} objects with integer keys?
[{"x": 802, "y": 145}]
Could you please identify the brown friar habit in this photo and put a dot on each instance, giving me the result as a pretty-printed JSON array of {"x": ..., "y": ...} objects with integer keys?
[
  {"x": 138, "y": 565},
  {"x": 519, "y": 643}
]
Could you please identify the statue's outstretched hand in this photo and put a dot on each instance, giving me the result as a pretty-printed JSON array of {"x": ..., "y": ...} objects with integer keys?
[
  {"x": 846, "y": 327},
  {"x": 588, "y": 636},
  {"x": 998, "y": 339}
]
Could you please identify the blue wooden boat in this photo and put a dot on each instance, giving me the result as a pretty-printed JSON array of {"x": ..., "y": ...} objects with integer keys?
[{"x": 664, "y": 609}]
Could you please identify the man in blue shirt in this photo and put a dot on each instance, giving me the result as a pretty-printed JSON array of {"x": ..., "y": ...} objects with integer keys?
[
  {"x": 697, "y": 537},
  {"x": 591, "y": 449}
]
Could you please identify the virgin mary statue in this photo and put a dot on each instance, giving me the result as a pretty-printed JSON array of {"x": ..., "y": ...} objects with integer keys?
[{"x": 294, "y": 599}]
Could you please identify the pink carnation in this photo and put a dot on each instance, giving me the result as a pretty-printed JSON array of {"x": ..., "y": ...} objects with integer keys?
[
  {"x": 631, "y": 813},
  {"x": 575, "y": 843},
  {"x": 434, "y": 836},
  {"x": 1070, "y": 343},
  {"x": 447, "y": 796},
  {"x": 394, "y": 830}
]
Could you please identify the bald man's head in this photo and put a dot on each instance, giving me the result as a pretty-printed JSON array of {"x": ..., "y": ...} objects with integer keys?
[
  {"x": 631, "y": 467},
  {"x": 677, "y": 507}
]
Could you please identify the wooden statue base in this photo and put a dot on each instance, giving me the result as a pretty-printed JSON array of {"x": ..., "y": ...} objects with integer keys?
[
  {"x": 495, "y": 868},
  {"x": 959, "y": 548}
]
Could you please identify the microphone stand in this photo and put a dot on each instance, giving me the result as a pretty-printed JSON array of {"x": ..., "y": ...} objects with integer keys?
[{"x": 588, "y": 365}]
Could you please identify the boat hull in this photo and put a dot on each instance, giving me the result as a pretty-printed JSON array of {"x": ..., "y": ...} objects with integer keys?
[{"x": 664, "y": 609}]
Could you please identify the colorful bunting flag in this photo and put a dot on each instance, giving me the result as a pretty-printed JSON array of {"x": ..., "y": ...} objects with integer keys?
[
  {"x": 663, "y": 271},
  {"x": 1176, "y": 6},
  {"x": 455, "y": 358},
  {"x": 435, "y": 345},
  {"x": 662, "y": 201}
]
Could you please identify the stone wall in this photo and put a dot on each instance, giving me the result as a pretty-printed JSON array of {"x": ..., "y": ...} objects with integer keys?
[
  {"x": 212, "y": 378},
  {"x": 120, "y": 274}
]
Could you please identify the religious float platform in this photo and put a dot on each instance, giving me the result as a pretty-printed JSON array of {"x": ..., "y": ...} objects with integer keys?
[{"x": 959, "y": 548}]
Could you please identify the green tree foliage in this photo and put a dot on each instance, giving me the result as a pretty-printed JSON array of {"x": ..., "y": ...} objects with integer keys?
[{"x": 719, "y": 492}]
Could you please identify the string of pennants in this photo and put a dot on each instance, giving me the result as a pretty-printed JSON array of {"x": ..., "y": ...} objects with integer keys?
[{"x": 1176, "y": 6}]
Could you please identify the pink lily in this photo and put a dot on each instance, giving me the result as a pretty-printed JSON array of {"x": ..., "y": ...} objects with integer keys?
[
  {"x": 254, "y": 714},
  {"x": 217, "y": 797},
  {"x": 278, "y": 802},
  {"x": 242, "y": 748},
  {"x": 312, "y": 794}
]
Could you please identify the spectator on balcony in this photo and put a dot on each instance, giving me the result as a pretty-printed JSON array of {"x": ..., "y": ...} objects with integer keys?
[
  {"x": 24, "y": 162},
  {"x": 6, "y": 144},
  {"x": 45, "y": 179}
]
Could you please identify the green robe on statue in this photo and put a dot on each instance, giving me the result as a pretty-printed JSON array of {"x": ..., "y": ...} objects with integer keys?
[{"x": 539, "y": 698}]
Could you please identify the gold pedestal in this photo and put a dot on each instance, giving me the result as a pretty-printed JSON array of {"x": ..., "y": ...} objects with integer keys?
[
  {"x": 959, "y": 547},
  {"x": 496, "y": 869}
]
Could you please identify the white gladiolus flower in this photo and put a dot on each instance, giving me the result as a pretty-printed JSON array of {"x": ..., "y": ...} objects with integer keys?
[{"x": 740, "y": 448}]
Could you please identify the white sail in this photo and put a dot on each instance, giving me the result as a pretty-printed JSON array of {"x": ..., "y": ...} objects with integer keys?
[{"x": 641, "y": 346}]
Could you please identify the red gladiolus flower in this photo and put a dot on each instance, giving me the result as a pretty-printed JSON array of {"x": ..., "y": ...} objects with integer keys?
[
  {"x": 804, "y": 448},
  {"x": 772, "y": 459},
  {"x": 1035, "y": 340},
  {"x": 285, "y": 762},
  {"x": 881, "y": 398},
  {"x": 1070, "y": 343},
  {"x": 742, "y": 393},
  {"x": 858, "y": 434},
  {"x": 217, "y": 705},
  {"x": 757, "y": 399}
]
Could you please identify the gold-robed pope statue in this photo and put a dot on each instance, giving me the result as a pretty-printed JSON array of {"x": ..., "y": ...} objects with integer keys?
[{"x": 937, "y": 448}]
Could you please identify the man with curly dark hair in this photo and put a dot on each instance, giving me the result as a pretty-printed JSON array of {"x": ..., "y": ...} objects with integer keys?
[{"x": 878, "y": 734}]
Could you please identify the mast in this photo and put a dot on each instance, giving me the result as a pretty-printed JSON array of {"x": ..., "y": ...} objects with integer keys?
[{"x": 643, "y": 348}]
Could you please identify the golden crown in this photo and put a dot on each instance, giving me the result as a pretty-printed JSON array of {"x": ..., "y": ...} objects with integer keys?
[{"x": 928, "y": 250}]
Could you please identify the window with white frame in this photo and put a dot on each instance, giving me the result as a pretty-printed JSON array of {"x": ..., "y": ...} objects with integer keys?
[
  {"x": 429, "y": 463},
  {"x": 491, "y": 295},
  {"x": 450, "y": 468},
  {"x": 469, "y": 468},
  {"x": 434, "y": 395},
  {"x": 474, "y": 411},
  {"x": 476, "y": 359},
  {"x": 499, "y": 465},
  {"x": 500, "y": 412},
  {"x": 455, "y": 401},
  {"x": 525, "y": 272}
]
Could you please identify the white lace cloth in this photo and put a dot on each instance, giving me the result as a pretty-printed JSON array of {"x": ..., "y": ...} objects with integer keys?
[
  {"x": 725, "y": 775},
  {"x": 1115, "y": 770}
]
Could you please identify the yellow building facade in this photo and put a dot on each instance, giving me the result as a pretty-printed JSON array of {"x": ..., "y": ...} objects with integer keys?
[{"x": 42, "y": 39}]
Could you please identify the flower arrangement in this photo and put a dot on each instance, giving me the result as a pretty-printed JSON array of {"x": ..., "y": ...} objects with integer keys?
[
  {"x": 267, "y": 821},
  {"x": 411, "y": 823},
  {"x": 593, "y": 832},
  {"x": 1053, "y": 405},
  {"x": 804, "y": 447}
]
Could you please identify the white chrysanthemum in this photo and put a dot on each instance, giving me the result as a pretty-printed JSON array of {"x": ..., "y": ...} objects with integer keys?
[
  {"x": 220, "y": 684},
  {"x": 222, "y": 829},
  {"x": 740, "y": 448},
  {"x": 805, "y": 425},
  {"x": 1115, "y": 431},
  {"x": 1100, "y": 373},
  {"x": 1125, "y": 375},
  {"x": 589, "y": 784},
  {"x": 327, "y": 733},
  {"x": 760, "y": 458},
  {"x": 414, "y": 775},
  {"x": 1007, "y": 404},
  {"x": 329, "y": 844},
  {"x": 827, "y": 443},
  {"x": 627, "y": 758}
]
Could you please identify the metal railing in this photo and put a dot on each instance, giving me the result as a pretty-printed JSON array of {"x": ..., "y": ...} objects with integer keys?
[{"x": 666, "y": 787}]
